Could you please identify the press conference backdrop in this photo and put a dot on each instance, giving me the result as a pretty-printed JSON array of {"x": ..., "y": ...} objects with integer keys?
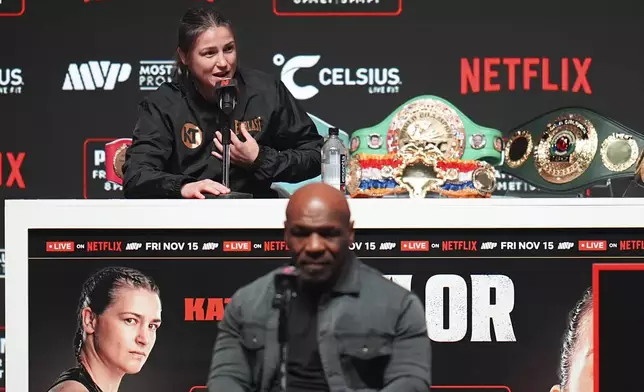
[
  {"x": 496, "y": 300},
  {"x": 358, "y": 60}
]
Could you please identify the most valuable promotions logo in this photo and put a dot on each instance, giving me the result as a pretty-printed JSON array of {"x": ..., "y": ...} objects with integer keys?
[
  {"x": 337, "y": 7},
  {"x": 153, "y": 73},
  {"x": 96, "y": 75},
  {"x": 377, "y": 80},
  {"x": 11, "y": 81}
]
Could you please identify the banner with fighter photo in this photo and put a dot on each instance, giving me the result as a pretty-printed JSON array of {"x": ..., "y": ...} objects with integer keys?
[{"x": 507, "y": 309}]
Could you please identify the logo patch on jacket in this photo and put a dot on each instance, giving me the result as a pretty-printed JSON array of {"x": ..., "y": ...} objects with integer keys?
[
  {"x": 252, "y": 126},
  {"x": 191, "y": 136}
]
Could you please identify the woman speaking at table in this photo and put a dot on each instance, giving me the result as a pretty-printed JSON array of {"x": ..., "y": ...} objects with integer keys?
[{"x": 176, "y": 149}]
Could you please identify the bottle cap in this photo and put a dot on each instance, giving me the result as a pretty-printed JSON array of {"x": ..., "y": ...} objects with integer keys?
[{"x": 334, "y": 132}]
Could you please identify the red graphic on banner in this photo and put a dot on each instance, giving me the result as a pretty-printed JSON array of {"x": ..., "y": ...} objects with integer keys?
[
  {"x": 631, "y": 245},
  {"x": 273, "y": 246},
  {"x": 486, "y": 74},
  {"x": 469, "y": 246},
  {"x": 59, "y": 246},
  {"x": 414, "y": 246},
  {"x": 14, "y": 162},
  {"x": 597, "y": 268},
  {"x": 237, "y": 246},
  {"x": 593, "y": 245},
  {"x": 104, "y": 246},
  {"x": 204, "y": 309},
  {"x": 12, "y": 7}
]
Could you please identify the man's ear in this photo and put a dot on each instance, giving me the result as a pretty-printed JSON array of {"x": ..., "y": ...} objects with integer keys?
[
  {"x": 287, "y": 236},
  {"x": 351, "y": 233},
  {"x": 89, "y": 320},
  {"x": 555, "y": 388}
]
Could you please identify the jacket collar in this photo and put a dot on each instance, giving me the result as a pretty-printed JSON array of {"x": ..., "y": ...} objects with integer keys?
[
  {"x": 246, "y": 92},
  {"x": 349, "y": 280}
]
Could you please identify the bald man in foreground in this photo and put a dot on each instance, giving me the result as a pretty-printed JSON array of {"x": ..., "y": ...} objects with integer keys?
[{"x": 350, "y": 329}]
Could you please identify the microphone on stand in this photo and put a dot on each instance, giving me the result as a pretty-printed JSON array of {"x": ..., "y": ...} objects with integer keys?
[
  {"x": 227, "y": 92},
  {"x": 285, "y": 286}
]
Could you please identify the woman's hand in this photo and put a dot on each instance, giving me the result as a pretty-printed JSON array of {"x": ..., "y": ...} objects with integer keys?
[
  {"x": 241, "y": 153},
  {"x": 196, "y": 190}
]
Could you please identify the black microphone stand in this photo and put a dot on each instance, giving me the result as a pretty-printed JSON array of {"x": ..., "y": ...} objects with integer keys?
[
  {"x": 282, "y": 301},
  {"x": 225, "y": 141}
]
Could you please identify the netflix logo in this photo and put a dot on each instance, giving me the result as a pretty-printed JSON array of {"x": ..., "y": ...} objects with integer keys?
[
  {"x": 631, "y": 245},
  {"x": 104, "y": 246},
  {"x": 494, "y": 74},
  {"x": 11, "y": 169},
  {"x": 59, "y": 246},
  {"x": 273, "y": 246}
]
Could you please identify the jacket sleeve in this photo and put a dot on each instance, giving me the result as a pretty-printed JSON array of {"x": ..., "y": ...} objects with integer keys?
[
  {"x": 410, "y": 366},
  {"x": 295, "y": 155},
  {"x": 229, "y": 370},
  {"x": 147, "y": 157}
]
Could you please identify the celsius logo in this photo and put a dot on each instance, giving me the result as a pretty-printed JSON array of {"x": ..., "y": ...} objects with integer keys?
[
  {"x": 95, "y": 75},
  {"x": 378, "y": 80},
  {"x": 11, "y": 81}
]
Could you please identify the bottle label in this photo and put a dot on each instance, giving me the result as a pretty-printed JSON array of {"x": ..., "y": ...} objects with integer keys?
[{"x": 343, "y": 171}]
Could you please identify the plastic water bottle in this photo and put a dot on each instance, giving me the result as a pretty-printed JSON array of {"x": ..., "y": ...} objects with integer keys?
[{"x": 334, "y": 161}]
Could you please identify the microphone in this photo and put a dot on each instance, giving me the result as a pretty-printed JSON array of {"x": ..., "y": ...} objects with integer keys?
[
  {"x": 226, "y": 91},
  {"x": 285, "y": 283}
]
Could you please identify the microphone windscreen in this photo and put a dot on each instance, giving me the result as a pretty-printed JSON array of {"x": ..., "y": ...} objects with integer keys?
[{"x": 226, "y": 83}]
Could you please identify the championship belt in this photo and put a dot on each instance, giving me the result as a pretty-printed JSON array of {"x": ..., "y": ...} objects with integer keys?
[
  {"x": 114, "y": 159},
  {"x": 459, "y": 137},
  {"x": 427, "y": 145},
  {"x": 570, "y": 149}
]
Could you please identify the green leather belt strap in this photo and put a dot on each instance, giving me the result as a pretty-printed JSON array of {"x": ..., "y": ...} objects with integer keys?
[
  {"x": 569, "y": 149},
  {"x": 480, "y": 143}
]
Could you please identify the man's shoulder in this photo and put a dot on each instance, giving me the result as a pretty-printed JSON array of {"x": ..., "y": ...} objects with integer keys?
[
  {"x": 375, "y": 281},
  {"x": 255, "y": 289}
]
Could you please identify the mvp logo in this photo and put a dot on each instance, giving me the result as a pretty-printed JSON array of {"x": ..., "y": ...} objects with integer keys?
[
  {"x": 95, "y": 75},
  {"x": 493, "y": 74}
]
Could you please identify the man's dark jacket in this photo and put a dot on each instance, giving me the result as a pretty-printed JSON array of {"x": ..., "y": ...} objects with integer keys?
[
  {"x": 372, "y": 336},
  {"x": 173, "y": 139}
]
